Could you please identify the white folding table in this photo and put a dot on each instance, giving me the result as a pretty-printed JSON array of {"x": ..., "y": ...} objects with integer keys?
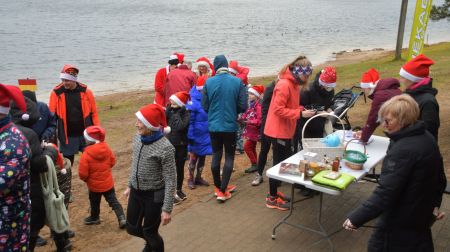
[{"x": 376, "y": 151}]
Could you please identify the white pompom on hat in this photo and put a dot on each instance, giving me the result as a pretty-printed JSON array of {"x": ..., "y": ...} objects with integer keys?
[{"x": 153, "y": 117}]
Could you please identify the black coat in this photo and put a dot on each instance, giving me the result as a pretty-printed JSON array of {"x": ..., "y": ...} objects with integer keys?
[
  {"x": 265, "y": 104},
  {"x": 178, "y": 121},
  {"x": 428, "y": 105},
  {"x": 312, "y": 98},
  {"x": 411, "y": 184}
]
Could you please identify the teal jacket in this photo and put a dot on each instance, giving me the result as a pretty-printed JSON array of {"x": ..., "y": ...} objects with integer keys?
[{"x": 224, "y": 97}]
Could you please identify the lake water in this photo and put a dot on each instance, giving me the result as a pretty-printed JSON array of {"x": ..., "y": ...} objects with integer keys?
[{"x": 118, "y": 45}]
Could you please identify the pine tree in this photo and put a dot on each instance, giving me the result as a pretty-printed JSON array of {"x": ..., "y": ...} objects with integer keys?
[{"x": 441, "y": 12}]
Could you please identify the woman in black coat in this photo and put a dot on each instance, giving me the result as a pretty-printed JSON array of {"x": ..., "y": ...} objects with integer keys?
[{"x": 411, "y": 183}]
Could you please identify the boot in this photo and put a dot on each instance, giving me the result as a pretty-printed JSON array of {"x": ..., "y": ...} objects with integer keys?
[
  {"x": 198, "y": 179},
  {"x": 252, "y": 169},
  {"x": 122, "y": 222},
  {"x": 62, "y": 243},
  {"x": 191, "y": 183},
  {"x": 118, "y": 210}
]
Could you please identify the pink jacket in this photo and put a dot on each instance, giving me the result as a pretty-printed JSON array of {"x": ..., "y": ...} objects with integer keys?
[
  {"x": 252, "y": 120},
  {"x": 284, "y": 110}
]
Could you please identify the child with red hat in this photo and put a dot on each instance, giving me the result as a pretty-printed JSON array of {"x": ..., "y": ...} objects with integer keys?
[
  {"x": 252, "y": 121},
  {"x": 415, "y": 77},
  {"x": 178, "y": 120},
  {"x": 152, "y": 180},
  {"x": 94, "y": 168}
]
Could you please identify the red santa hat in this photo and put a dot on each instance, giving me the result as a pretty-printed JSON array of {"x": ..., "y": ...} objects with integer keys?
[
  {"x": 328, "y": 77},
  {"x": 94, "y": 134},
  {"x": 69, "y": 72},
  {"x": 7, "y": 93},
  {"x": 180, "y": 57},
  {"x": 180, "y": 98},
  {"x": 257, "y": 90},
  {"x": 153, "y": 117},
  {"x": 233, "y": 67},
  {"x": 370, "y": 78},
  {"x": 203, "y": 61},
  {"x": 201, "y": 80},
  {"x": 416, "y": 69},
  {"x": 59, "y": 157}
]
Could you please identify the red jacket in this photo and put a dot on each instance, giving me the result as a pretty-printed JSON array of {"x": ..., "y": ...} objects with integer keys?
[
  {"x": 284, "y": 108},
  {"x": 385, "y": 90},
  {"x": 180, "y": 79},
  {"x": 252, "y": 119},
  {"x": 57, "y": 105},
  {"x": 160, "y": 85},
  {"x": 95, "y": 167}
]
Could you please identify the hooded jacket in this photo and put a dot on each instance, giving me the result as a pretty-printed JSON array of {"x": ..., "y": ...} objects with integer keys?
[
  {"x": 384, "y": 90},
  {"x": 284, "y": 110},
  {"x": 198, "y": 133},
  {"x": 45, "y": 127},
  {"x": 95, "y": 167},
  {"x": 224, "y": 97},
  {"x": 252, "y": 120},
  {"x": 425, "y": 95}
]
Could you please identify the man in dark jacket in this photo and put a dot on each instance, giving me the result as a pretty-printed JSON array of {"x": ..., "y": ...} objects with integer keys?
[
  {"x": 45, "y": 127},
  {"x": 415, "y": 77},
  {"x": 411, "y": 184}
]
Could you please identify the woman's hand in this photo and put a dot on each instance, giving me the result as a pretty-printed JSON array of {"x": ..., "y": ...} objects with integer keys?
[
  {"x": 308, "y": 113},
  {"x": 126, "y": 193},
  {"x": 439, "y": 215},
  {"x": 165, "y": 218},
  {"x": 348, "y": 225}
]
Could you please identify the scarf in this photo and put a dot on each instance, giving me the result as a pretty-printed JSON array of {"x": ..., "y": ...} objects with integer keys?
[{"x": 156, "y": 135}]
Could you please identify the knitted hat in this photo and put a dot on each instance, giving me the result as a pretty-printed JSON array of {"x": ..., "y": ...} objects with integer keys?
[
  {"x": 153, "y": 117},
  {"x": 257, "y": 90},
  {"x": 328, "y": 77},
  {"x": 7, "y": 93},
  {"x": 69, "y": 72},
  {"x": 94, "y": 134},
  {"x": 416, "y": 69},
  {"x": 201, "y": 80},
  {"x": 370, "y": 78},
  {"x": 180, "y": 98},
  {"x": 233, "y": 67},
  {"x": 180, "y": 57}
]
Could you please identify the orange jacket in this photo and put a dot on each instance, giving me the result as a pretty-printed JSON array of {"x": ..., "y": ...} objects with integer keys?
[
  {"x": 57, "y": 105},
  {"x": 160, "y": 85},
  {"x": 284, "y": 110},
  {"x": 95, "y": 167}
]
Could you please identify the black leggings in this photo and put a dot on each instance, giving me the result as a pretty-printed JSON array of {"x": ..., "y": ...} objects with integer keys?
[
  {"x": 262, "y": 159},
  {"x": 144, "y": 217},
  {"x": 219, "y": 141},
  {"x": 281, "y": 149},
  {"x": 180, "y": 160}
]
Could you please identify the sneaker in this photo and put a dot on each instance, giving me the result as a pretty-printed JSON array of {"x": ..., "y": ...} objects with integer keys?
[
  {"x": 230, "y": 188},
  {"x": 176, "y": 200},
  {"x": 277, "y": 203},
  {"x": 181, "y": 195},
  {"x": 258, "y": 180},
  {"x": 200, "y": 181},
  {"x": 223, "y": 196},
  {"x": 251, "y": 169},
  {"x": 283, "y": 196},
  {"x": 191, "y": 184},
  {"x": 122, "y": 222},
  {"x": 91, "y": 220},
  {"x": 40, "y": 242}
]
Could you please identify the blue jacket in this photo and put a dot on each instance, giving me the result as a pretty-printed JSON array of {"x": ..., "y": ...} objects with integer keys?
[
  {"x": 224, "y": 97},
  {"x": 198, "y": 134},
  {"x": 46, "y": 126}
]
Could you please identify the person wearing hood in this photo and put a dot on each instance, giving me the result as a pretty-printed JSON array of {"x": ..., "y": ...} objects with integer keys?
[
  {"x": 284, "y": 111},
  {"x": 416, "y": 80},
  {"x": 14, "y": 176},
  {"x": 409, "y": 195},
  {"x": 94, "y": 168},
  {"x": 45, "y": 127},
  {"x": 38, "y": 165},
  {"x": 379, "y": 91},
  {"x": 224, "y": 97}
]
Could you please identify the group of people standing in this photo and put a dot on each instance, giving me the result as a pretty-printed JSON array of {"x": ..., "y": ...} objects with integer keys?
[{"x": 199, "y": 109}]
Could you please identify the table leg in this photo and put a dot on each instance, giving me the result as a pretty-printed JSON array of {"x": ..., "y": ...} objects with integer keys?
[
  {"x": 319, "y": 221},
  {"x": 283, "y": 220}
]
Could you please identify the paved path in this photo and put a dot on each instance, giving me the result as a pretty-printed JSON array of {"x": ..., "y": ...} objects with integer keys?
[{"x": 244, "y": 223}]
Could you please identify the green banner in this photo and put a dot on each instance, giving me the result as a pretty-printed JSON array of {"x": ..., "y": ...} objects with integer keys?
[{"x": 419, "y": 28}]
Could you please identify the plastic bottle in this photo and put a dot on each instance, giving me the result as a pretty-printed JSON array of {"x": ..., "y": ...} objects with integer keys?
[{"x": 336, "y": 164}]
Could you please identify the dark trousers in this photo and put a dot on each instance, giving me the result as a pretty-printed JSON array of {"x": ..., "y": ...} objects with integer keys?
[
  {"x": 180, "y": 160},
  {"x": 400, "y": 240},
  {"x": 110, "y": 197},
  {"x": 219, "y": 142},
  {"x": 262, "y": 159},
  {"x": 281, "y": 149},
  {"x": 144, "y": 217}
]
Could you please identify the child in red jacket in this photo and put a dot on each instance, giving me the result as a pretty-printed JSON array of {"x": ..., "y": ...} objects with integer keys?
[
  {"x": 252, "y": 120},
  {"x": 95, "y": 169}
]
